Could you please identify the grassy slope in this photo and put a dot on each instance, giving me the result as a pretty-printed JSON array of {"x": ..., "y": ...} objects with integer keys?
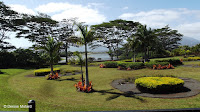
[{"x": 61, "y": 95}]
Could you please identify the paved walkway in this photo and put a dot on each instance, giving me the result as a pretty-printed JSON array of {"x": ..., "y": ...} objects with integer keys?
[{"x": 192, "y": 88}]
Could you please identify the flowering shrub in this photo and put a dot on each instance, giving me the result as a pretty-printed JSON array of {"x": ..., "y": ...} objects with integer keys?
[
  {"x": 53, "y": 77},
  {"x": 82, "y": 87},
  {"x": 159, "y": 84}
]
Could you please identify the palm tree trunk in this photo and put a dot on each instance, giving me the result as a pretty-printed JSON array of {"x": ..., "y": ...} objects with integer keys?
[
  {"x": 86, "y": 67},
  {"x": 66, "y": 53},
  {"x": 82, "y": 73},
  {"x": 51, "y": 65}
]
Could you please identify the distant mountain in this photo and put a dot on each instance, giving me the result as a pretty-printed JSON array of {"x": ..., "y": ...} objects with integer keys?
[{"x": 189, "y": 41}]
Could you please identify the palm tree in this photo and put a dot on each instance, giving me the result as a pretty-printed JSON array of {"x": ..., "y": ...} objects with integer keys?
[
  {"x": 133, "y": 44},
  {"x": 81, "y": 62},
  {"x": 87, "y": 36},
  {"x": 146, "y": 38},
  {"x": 51, "y": 47}
]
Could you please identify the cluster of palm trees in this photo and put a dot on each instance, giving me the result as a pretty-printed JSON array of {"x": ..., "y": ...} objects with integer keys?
[
  {"x": 52, "y": 47},
  {"x": 146, "y": 39}
]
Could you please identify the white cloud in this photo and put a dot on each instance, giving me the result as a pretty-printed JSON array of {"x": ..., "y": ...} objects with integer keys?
[
  {"x": 190, "y": 29},
  {"x": 184, "y": 20},
  {"x": 154, "y": 18},
  {"x": 125, "y": 8},
  {"x": 66, "y": 11},
  {"x": 21, "y": 9}
]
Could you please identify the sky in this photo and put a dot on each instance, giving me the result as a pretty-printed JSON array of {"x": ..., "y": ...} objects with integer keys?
[{"x": 181, "y": 15}]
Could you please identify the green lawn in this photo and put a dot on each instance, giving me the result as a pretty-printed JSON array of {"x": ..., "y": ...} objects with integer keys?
[{"x": 52, "y": 95}]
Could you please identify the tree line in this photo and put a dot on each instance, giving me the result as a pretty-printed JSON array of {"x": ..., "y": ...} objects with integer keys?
[{"x": 123, "y": 39}]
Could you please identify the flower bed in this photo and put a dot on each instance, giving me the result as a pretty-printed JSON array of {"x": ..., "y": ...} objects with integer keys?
[{"x": 159, "y": 84}]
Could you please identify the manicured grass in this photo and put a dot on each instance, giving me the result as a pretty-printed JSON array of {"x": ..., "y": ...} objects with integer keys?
[{"x": 61, "y": 95}]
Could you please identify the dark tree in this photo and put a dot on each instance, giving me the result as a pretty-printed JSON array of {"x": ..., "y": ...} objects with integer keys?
[
  {"x": 9, "y": 21},
  {"x": 113, "y": 34}
]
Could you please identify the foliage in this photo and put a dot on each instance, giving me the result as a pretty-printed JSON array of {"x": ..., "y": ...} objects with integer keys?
[
  {"x": 136, "y": 65},
  {"x": 51, "y": 47},
  {"x": 171, "y": 61},
  {"x": 86, "y": 37},
  {"x": 110, "y": 64},
  {"x": 43, "y": 72},
  {"x": 52, "y": 76},
  {"x": 22, "y": 58},
  {"x": 83, "y": 88},
  {"x": 191, "y": 59},
  {"x": 113, "y": 33},
  {"x": 159, "y": 84},
  {"x": 152, "y": 63},
  {"x": 9, "y": 21}
]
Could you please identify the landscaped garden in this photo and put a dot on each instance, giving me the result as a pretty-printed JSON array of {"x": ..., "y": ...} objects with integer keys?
[
  {"x": 58, "y": 95},
  {"x": 148, "y": 68}
]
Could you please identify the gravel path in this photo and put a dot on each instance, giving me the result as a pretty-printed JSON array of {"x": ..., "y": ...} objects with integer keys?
[{"x": 192, "y": 88}]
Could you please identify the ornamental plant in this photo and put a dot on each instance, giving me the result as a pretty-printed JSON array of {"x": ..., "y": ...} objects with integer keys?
[
  {"x": 83, "y": 88},
  {"x": 159, "y": 84},
  {"x": 53, "y": 76}
]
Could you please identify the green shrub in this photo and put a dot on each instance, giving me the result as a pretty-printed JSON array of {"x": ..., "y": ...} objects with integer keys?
[
  {"x": 136, "y": 65},
  {"x": 123, "y": 65},
  {"x": 110, "y": 64},
  {"x": 171, "y": 61},
  {"x": 191, "y": 59},
  {"x": 159, "y": 84},
  {"x": 151, "y": 63},
  {"x": 43, "y": 72}
]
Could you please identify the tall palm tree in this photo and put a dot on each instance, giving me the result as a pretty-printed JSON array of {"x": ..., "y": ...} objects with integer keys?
[
  {"x": 146, "y": 38},
  {"x": 87, "y": 36},
  {"x": 51, "y": 47}
]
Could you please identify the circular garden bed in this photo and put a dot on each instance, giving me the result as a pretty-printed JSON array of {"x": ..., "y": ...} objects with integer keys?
[
  {"x": 159, "y": 84},
  {"x": 190, "y": 88}
]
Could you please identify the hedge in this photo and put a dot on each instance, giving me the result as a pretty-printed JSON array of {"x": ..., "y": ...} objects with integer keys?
[
  {"x": 171, "y": 61},
  {"x": 110, "y": 64},
  {"x": 43, "y": 72},
  {"x": 159, "y": 84},
  {"x": 151, "y": 63},
  {"x": 191, "y": 59}
]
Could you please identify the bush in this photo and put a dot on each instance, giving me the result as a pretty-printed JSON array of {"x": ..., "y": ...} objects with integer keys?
[
  {"x": 136, "y": 65},
  {"x": 43, "y": 72},
  {"x": 123, "y": 65},
  {"x": 171, "y": 61},
  {"x": 191, "y": 59},
  {"x": 151, "y": 63},
  {"x": 110, "y": 64},
  {"x": 159, "y": 84}
]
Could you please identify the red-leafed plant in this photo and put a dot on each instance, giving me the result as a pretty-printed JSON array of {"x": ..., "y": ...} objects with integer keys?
[
  {"x": 53, "y": 76},
  {"x": 102, "y": 66},
  {"x": 83, "y": 88},
  {"x": 160, "y": 67}
]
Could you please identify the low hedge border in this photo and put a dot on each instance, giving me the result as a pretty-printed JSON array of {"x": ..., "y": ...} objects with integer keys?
[
  {"x": 43, "y": 72},
  {"x": 159, "y": 84}
]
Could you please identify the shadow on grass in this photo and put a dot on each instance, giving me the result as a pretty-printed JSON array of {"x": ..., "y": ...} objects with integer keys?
[
  {"x": 68, "y": 79},
  {"x": 115, "y": 95}
]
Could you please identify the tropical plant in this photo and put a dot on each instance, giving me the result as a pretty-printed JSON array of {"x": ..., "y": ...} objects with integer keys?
[
  {"x": 87, "y": 36},
  {"x": 51, "y": 48},
  {"x": 146, "y": 38}
]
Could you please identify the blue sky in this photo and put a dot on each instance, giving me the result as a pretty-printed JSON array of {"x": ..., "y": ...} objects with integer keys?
[{"x": 182, "y": 15}]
